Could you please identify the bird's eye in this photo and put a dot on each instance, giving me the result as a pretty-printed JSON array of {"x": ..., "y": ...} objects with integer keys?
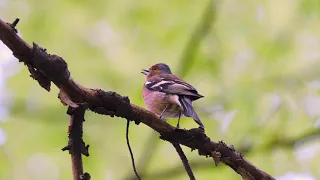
[{"x": 153, "y": 68}]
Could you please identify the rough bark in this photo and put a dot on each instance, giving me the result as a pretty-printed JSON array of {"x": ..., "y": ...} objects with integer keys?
[{"x": 46, "y": 68}]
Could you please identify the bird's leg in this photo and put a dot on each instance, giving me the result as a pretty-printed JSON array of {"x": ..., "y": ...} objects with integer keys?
[
  {"x": 178, "y": 125},
  {"x": 163, "y": 111}
]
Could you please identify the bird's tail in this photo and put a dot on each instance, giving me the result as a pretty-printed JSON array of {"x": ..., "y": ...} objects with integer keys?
[{"x": 188, "y": 110}]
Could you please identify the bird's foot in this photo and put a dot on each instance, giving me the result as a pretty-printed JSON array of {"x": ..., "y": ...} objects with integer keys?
[{"x": 163, "y": 118}]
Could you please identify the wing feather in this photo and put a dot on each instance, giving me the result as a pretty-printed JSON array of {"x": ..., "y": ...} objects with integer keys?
[{"x": 171, "y": 84}]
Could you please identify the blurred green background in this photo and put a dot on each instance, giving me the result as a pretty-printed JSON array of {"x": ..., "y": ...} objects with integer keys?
[{"x": 255, "y": 61}]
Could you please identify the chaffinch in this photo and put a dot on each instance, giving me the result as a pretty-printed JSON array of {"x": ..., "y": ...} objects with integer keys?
[{"x": 167, "y": 95}]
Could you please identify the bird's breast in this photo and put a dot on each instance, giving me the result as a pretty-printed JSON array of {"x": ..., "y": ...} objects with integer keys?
[{"x": 156, "y": 102}]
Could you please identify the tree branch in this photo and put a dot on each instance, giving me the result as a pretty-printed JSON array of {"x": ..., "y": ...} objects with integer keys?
[
  {"x": 184, "y": 160},
  {"x": 54, "y": 69},
  {"x": 187, "y": 59},
  {"x": 274, "y": 143},
  {"x": 130, "y": 151},
  {"x": 76, "y": 146}
]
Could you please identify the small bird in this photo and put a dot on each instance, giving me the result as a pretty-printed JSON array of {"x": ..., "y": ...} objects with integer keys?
[{"x": 167, "y": 95}]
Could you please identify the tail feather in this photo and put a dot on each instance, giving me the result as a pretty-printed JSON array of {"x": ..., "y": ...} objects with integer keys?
[{"x": 188, "y": 110}]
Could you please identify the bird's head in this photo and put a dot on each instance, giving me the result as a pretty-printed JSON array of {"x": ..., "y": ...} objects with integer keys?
[{"x": 156, "y": 69}]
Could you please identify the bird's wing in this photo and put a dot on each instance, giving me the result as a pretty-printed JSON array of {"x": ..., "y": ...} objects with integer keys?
[{"x": 171, "y": 84}]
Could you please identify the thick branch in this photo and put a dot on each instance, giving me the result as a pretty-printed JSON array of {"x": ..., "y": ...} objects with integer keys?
[
  {"x": 54, "y": 69},
  {"x": 76, "y": 146},
  {"x": 187, "y": 59},
  {"x": 247, "y": 149}
]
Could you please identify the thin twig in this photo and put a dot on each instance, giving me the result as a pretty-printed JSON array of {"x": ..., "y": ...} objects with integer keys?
[
  {"x": 184, "y": 160},
  {"x": 152, "y": 143},
  {"x": 14, "y": 24},
  {"x": 205, "y": 164},
  {"x": 130, "y": 150},
  {"x": 55, "y": 69},
  {"x": 186, "y": 61}
]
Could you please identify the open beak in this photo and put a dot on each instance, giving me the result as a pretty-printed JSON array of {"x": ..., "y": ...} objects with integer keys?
[{"x": 145, "y": 71}]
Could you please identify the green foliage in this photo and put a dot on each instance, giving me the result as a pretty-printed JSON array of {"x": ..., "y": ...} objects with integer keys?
[{"x": 254, "y": 67}]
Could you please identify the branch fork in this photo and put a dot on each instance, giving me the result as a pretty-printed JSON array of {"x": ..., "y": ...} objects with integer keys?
[{"x": 46, "y": 68}]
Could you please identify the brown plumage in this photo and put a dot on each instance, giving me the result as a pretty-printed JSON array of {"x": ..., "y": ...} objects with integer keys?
[{"x": 167, "y": 95}]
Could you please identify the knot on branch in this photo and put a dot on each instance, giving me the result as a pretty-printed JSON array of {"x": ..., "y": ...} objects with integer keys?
[
  {"x": 197, "y": 139},
  {"x": 85, "y": 176},
  {"x": 224, "y": 153},
  {"x": 44, "y": 67},
  {"x": 51, "y": 66},
  {"x": 76, "y": 144},
  {"x": 193, "y": 138},
  {"x": 14, "y": 24},
  {"x": 113, "y": 104}
]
